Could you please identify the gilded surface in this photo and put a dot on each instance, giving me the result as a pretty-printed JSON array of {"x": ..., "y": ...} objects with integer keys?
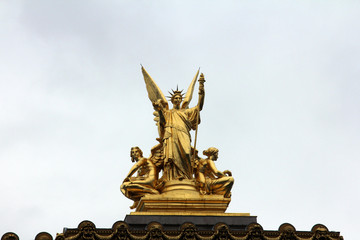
[
  {"x": 209, "y": 178},
  {"x": 175, "y": 158},
  {"x": 137, "y": 187}
]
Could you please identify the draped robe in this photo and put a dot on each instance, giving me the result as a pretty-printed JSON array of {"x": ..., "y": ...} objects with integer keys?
[{"x": 177, "y": 142}]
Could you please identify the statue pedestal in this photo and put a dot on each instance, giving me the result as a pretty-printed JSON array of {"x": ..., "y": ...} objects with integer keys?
[
  {"x": 183, "y": 203},
  {"x": 182, "y": 197}
]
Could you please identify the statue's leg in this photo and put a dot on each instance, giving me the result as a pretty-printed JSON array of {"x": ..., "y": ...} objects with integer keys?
[
  {"x": 222, "y": 186},
  {"x": 139, "y": 190}
]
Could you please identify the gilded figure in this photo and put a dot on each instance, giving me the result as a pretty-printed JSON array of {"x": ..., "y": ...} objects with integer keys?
[
  {"x": 145, "y": 181},
  {"x": 209, "y": 178},
  {"x": 175, "y": 157},
  {"x": 175, "y": 125}
]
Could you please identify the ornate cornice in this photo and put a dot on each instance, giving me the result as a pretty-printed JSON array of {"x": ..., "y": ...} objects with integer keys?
[{"x": 187, "y": 231}]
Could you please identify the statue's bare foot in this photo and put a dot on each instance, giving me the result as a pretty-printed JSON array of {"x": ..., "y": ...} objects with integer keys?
[{"x": 136, "y": 203}]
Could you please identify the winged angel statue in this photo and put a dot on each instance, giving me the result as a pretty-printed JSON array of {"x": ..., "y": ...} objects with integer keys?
[
  {"x": 174, "y": 154},
  {"x": 174, "y": 126}
]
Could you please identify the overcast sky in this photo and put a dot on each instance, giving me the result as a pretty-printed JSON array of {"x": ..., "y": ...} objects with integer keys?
[{"x": 282, "y": 105}]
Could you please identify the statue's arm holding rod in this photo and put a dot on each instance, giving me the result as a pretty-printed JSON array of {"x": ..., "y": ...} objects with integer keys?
[{"x": 200, "y": 106}]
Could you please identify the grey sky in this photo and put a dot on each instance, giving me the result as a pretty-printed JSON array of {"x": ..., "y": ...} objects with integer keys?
[{"x": 282, "y": 105}]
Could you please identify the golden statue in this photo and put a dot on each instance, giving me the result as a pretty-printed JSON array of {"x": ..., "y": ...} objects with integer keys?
[
  {"x": 144, "y": 183},
  {"x": 184, "y": 174},
  {"x": 209, "y": 178},
  {"x": 175, "y": 125}
]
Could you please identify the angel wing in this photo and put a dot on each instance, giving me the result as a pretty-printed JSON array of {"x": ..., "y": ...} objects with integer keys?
[
  {"x": 153, "y": 90},
  {"x": 155, "y": 94},
  {"x": 157, "y": 155},
  {"x": 189, "y": 92}
]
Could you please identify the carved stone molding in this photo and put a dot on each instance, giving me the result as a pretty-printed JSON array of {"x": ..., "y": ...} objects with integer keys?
[{"x": 120, "y": 230}]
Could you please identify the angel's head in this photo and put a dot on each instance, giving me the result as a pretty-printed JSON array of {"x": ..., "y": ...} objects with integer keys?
[
  {"x": 176, "y": 97},
  {"x": 135, "y": 154},
  {"x": 176, "y": 100}
]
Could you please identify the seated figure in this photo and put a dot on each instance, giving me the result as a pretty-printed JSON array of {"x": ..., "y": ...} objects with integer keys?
[
  {"x": 144, "y": 183},
  {"x": 210, "y": 180}
]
